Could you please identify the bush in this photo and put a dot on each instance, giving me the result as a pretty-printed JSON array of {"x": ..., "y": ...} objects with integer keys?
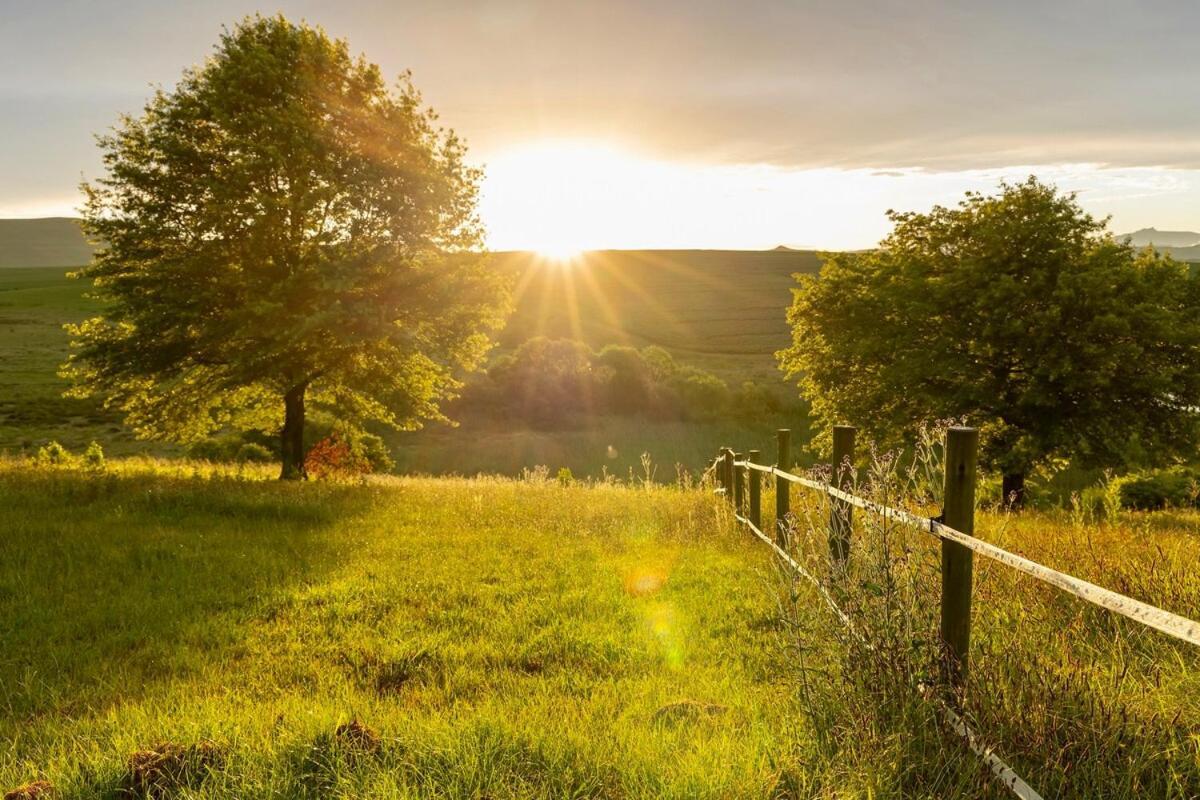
[
  {"x": 93, "y": 457},
  {"x": 1176, "y": 487},
  {"x": 547, "y": 382},
  {"x": 565, "y": 477},
  {"x": 251, "y": 453},
  {"x": 219, "y": 449},
  {"x": 54, "y": 454},
  {"x": 332, "y": 457},
  {"x": 366, "y": 447},
  {"x": 555, "y": 383},
  {"x": 374, "y": 450}
]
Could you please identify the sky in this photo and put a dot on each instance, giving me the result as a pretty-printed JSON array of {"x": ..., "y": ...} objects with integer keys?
[{"x": 686, "y": 124}]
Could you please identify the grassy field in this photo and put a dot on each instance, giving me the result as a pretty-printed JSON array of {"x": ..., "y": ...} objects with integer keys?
[
  {"x": 502, "y": 639},
  {"x": 46, "y": 242},
  {"x": 34, "y": 306},
  {"x": 723, "y": 311},
  {"x": 511, "y": 639}
]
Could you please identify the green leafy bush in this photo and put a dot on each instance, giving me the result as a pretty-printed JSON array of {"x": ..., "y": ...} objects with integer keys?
[
  {"x": 254, "y": 453},
  {"x": 218, "y": 449},
  {"x": 93, "y": 457},
  {"x": 54, "y": 454},
  {"x": 1176, "y": 487},
  {"x": 554, "y": 383}
]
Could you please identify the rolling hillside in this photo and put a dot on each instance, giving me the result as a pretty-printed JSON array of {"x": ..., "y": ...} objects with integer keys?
[
  {"x": 723, "y": 311},
  {"x": 720, "y": 309},
  {"x": 48, "y": 242}
]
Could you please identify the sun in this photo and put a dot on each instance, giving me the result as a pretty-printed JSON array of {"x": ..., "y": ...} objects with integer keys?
[{"x": 559, "y": 198}]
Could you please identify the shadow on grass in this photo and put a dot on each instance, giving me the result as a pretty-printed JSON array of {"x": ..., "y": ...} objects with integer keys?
[{"x": 112, "y": 584}]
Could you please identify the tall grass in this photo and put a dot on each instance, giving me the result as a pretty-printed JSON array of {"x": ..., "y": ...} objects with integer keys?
[{"x": 1079, "y": 702}]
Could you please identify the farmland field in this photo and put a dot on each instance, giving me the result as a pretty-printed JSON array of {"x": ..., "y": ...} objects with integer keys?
[{"x": 507, "y": 639}]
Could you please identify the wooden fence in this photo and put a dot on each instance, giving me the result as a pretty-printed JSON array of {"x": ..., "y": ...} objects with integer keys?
[{"x": 739, "y": 477}]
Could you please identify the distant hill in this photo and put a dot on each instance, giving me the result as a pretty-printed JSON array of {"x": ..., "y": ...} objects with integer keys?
[
  {"x": 724, "y": 310},
  {"x": 1184, "y": 253},
  {"x": 1161, "y": 239},
  {"x": 46, "y": 242}
]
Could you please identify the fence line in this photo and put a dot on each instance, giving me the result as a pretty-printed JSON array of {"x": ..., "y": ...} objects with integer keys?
[
  {"x": 733, "y": 472},
  {"x": 1003, "y": 772},
  {"x": 1151, "y": 616}
]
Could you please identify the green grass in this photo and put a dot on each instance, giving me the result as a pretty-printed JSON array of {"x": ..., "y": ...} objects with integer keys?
[
  {"x": 614, "y": 446},
  {"x": 34, "y": 306},
  {"x": 526, "y": 639},
  {"x": 504, "y": 639}
]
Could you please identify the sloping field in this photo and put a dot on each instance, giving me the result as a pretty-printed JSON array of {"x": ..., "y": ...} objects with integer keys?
[
  {"x": 500, "y": 639},
  {"x": 46, "y": 242},
  {"x": 34, "y": 306},
  {"x": 724, "y": 310},
  {"x": 183, "y": 631}
]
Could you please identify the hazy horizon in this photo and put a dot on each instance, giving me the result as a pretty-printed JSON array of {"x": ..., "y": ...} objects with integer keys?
[{"x": 638, "y": 125}]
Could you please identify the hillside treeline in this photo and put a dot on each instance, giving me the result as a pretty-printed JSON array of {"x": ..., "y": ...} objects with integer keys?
[{"x": 557, "y": 383}]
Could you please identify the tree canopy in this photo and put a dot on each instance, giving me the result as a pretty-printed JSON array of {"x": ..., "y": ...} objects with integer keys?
[
  {"x": 1017, "y": 311},
  {"x": 283, "y": 227}
]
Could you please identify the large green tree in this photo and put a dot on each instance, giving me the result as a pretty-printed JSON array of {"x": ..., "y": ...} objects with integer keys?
[
  {"x": 1018, "y": 312},
  {"x": 281, "y": 229}
]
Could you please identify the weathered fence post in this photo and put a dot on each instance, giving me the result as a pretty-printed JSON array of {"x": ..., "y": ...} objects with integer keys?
[
  {"x": 739, "y": 484},
  {"x": 783, "y": 461},
  {"x": 727, "y": 473},
  {"x": 958, "y": 512},
  {"x": 755, "y": 479},
  {"x": 840, "y": 518}
]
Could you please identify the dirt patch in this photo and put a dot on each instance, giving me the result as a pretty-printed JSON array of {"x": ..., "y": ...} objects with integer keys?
[
  {"x": 357, "y": 736},
  {"x": 37, "y": 790},
  {"x": 167, "y": 767},
  {"x": 687, "y": 711}
]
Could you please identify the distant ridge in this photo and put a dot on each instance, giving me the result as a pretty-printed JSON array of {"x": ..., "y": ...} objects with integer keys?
[
  {"x": 45, "y": 242},
  {"x": 1153, "y": 236}
]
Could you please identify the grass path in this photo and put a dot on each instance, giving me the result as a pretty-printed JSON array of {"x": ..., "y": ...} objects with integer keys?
[{"x": 503, "y": 640}]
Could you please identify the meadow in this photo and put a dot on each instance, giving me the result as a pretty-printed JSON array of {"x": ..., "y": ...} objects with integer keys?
[
  {"x": 183, "y": 629},
  {"x": 499, "y": 638}
]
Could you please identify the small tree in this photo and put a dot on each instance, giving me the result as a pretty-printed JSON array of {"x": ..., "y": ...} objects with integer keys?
[
  {"x": 1017, "y": 311},
  {"x": 281, "y": 229}
]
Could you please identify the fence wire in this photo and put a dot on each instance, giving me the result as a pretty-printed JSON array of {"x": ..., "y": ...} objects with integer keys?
[{"x": 1150, "y": 616}]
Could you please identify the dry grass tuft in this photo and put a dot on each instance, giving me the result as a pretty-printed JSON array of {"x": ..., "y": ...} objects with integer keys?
[
  {"x": 357, "y": 736},
  {"x": 687, "y": 711},
  {"x": 36, "y": 790},
  {"x": 167, "y": 767}
]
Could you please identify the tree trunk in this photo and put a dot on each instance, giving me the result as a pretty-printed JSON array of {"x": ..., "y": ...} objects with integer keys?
[
  {"x": 292, "y": 435},
  {"x": 1013, "y": 491}
]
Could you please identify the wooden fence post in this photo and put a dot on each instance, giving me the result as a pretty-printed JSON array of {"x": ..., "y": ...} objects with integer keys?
[
  {"x": 739, "y": 484},
  {"x": 783, "y": 461},
  {"x": 727, "y": 473},
  {"x": 840, "y": 515},
  {"x": 958, "y": 512},
  {"x": 755, "y": 479}
]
